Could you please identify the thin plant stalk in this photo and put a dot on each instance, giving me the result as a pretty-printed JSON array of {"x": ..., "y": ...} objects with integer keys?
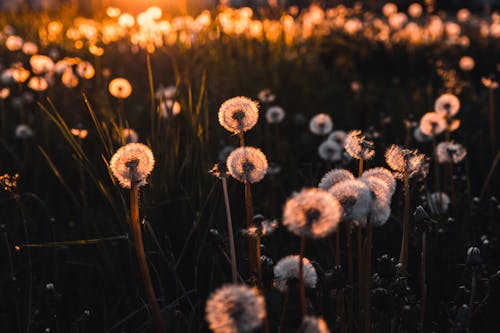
[
  {"x": 234, "y": 270},
  {"x": 423, "y": 272},
  {"x": 350, "y": 279},
  {"x": 158, "y": 324},
  {"x": 491, "y": 119},
  {"x": 337, "y": 249},
  {"x": 302, "y": 290},
  {"x": 283, "y": 312},
  {"x": 253, "y": 241},
  {"x": 368, "y": 273},
  {"x": 361, "y": 284},
  {"x": 403, "y": 257},
  {"x": 473, "y": 290}
]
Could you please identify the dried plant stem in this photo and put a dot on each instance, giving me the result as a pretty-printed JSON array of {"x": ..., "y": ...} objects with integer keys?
[
  {"x": 232, "y": 251},
  {"x": 350, "y": 279},
  {"x": 403, "y": 257},
  {"x": 491, "y": 119},
  {"x": 368, "y": 273},
  {"x": 158, "y": 324},
  {"x": 253, "y": 241},
  {"x": 361, "y": 284},
  {"x": 302, "y": 289},
  {"x": 423, "y": 272}
]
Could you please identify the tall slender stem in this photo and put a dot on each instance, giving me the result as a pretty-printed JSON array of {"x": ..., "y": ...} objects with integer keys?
[
  {"x": 159, "y": 326},
  {"x": 283, "y": 312},
  {"x": 361, "y": 284},
  {"x": 234, "y": 270},
  {"x": 302, "y": 289},
  {"x": 368, "y": 273},
  {"x": 403, "y": 257},
  {"x": 337, "y": 248},
  {"x": 491, "y": 119},
  {"x": 360, "y": 167},
  {"x": 253, "y": 241},
  {"x": 350, "y": 279},
  {"x": 423, "y": 272}
]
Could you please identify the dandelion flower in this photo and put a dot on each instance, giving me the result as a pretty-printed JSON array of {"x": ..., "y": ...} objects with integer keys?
[
  {"x": 450, "y": 152},
  {"x": 41, "y": 64},
  {"x": 466, "y": 63},
  {"x": 169, "y": 107},
  {"x": 447, "y": 105},
  {"x": 333, "y": 177},
  {"x": 358, "y": 147},
  {"x": 354, "y": 197},
  {"x": 23, "y": 131},
  {"x": 330, "y": 151},
  {"x": 288, "y": 268},
  {"x": 438, "y": 202},
  {"x": 385, "y": 175},
  {"x": 38, "y": 83},
  {"x": 247, "y": 164},
  {"x": 312, "y": 324},
  {"x": 312, "y": 213},
  {"x": 266, "y": 96},
  {"x": 275, "y": 115},
  {"x": 238, "y": 114},
  {"x": 235, "y": 309},
  {"x": 120, "y": 88},
  {"x": 433, "y": 124},
  {"x": 403, "y": 161},
  {"x": 338, "y": 136},
  {"x": 321, "y": 124},
  {"x": 132, "y": 162},
  {"x": 380, "y": 208}
]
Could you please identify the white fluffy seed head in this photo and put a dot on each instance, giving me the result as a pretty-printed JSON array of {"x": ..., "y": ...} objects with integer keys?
[
  {"x": 235, "y": 309},
  {"x": 355, "y": 198},
  {"x": 447, "y": 105},
  {"x": 288, "y": 268},
  {"x": 380, "y": 207},
  {"x": 275, "y": 115},
  {"x": 385, "y": 175},
  {"x": 312, "y": 213},
  {"x": 432, "y": 124},
  {"x": 403, "y": 161},
  {"x": 450, "y": 152},
  {"x": 132, "y": 162},
  {"x": 321, "y": 124},
  {"x": 247, "y": 164},
  {"x": 238, "y": 114},
  {"x": 333, "y": 177},
  {"x": 330, "y": 151},
  {"x": 358, "y": 147}
]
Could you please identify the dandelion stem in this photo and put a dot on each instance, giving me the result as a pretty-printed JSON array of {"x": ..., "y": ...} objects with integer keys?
[
  {"x": 360, "y": 168},
  {"x": 361, "y": 284},
  {"x": 242, "y": 139},
  {"x": 234, "y": 270},
  {"x": 491, "y": 119},
  {"x": 159, "y": 326},
  {"x": 350, "y": 297},
  {"x": 368, "y": 273},
  {"x": 473, "y": 290},
  {"x": 302, "y": 290},
  {"x": 337, "y": 248},
  {"x": 403, "y": 257},
  {"x": 253, "y": 241},
  {"x": 283, "y": 312},
  {"x": 423, "y": 272}
]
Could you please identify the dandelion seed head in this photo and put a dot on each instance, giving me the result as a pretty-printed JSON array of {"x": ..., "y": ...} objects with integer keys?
[
  {"x": 312, "y": 213},
  {"x": 247, "y": 164},
  {"x": 380, "y": 208},
  {"x": 403, "y": 160},
  {"x": 41, "y": 64},
  {"x": 38, "y": 83},
  {"x": 169, "y": 107},
  {"x": 385, "y": 175},
  {"x": 120, "y": 88},
  {"x": 312, "y": 324},
  {"x": 85, "y": 70},
  {"x": 132, "y": 162},
  {"x": 164, "y": 93},
  {"x": 266, "y": 96},
  {"x": 466, "y": 63},
  {"x": 450, "y": 152},
  {"x": 14, "y": 43},
  {"x": 235, "y": 309},
  {"x": 238, "y": 114},
  {"x": 358, "y": 147},
  {"x": 438, "y": 202},
  {"x": 447, "y": 105},
  {"x": 29, "y": 48},
  {"x": 338, "y": 136},
  {"x": 333, "y": 177},
  {"x": 275, "y": 115},
  {"x": 330, "y": 151},
  {"x": 4, "y": 93},
  {"x": 355, "y": 198},
  {"x": 23, "y": 131},
  {"x": 287, "y": 269},
  {"x": 321, "y": 124},
  {"x": 415, "y": 10},
  {"x": 432, "y": 124}
]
